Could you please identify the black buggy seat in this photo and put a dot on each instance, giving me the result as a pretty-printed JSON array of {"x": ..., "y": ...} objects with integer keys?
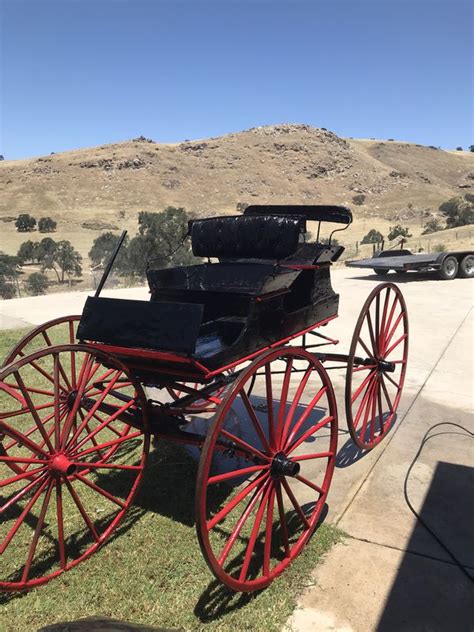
[{"x": 265, "y": 284}]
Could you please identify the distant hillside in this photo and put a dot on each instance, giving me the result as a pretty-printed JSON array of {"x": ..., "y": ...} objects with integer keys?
[{"x": 281, "y": 163}]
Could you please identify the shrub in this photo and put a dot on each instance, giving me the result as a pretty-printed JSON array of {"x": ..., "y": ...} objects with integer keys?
[
  {"x": 458, "y": 212},
  {"x": 439, "y": 248},
  {"x": 398, "y": 231},
  {"x": 469, "y": 197},
  {"x": 432, "y": 226},
  {"x": 459, "y": 149},
  {"x": 36, "y": 284},
  {"x": 25, "y": 223},
  {"x": 47, "y": 225},
  {"x": 373, "y": 237},
  {"x": 359, "y": 199}
]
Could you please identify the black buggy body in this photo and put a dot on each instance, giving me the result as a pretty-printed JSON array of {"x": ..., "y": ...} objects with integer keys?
[{"x": 266, "y": 283}]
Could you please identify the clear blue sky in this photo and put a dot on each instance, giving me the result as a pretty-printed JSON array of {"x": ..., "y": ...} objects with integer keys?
[{"x": 82, "y": 73}]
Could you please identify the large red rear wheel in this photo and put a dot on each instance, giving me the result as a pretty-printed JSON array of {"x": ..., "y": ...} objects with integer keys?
[
  {"x": 54, "y": 332},
  {"x": 266, "y": 468},
  {"x": 374, "y": 386},
  {"x": 71, "y": 459}
]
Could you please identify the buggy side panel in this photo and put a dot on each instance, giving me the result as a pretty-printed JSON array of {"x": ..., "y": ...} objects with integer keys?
[{"x": 141, "y": 324}]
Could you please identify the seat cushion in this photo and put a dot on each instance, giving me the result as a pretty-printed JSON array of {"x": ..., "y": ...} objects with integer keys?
[{"x": 240, "y": 237}]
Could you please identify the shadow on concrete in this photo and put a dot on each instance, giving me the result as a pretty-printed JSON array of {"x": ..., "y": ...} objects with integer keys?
[
  {"x": 349, "y": 453},
  {"x": 428, "y": 594}
]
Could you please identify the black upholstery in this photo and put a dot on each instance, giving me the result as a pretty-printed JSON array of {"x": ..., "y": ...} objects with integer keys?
[
  {"x": 240, "y": 237},
  {"x": 315, "y": 213}
]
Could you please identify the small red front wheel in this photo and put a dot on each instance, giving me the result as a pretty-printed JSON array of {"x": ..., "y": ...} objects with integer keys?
[
  {"x": 376, "y": 366},
  {"x": 266, "y": 468},
  {"x": 73, "y": 447}
]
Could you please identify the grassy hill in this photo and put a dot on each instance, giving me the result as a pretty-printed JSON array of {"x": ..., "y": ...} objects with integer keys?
[{"x": 280, "y": 164}]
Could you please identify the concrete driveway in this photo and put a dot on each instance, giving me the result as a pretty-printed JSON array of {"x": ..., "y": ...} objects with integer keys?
[{"x": 389, "y": 573}]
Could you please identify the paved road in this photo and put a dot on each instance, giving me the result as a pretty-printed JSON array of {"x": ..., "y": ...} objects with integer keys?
[{"x": 389, "y": 574}]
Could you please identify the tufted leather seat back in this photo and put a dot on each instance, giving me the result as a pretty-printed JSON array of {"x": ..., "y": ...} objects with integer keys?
[{"x": 241, "y": 237}]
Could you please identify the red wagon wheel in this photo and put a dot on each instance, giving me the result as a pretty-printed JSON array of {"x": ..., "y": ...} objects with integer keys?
[
  {"x": 71, "y": 459},
  {"x": 374, "y": 386},
  {"x": 54, "y": 332},
  {"x": 266, "y": 468}
]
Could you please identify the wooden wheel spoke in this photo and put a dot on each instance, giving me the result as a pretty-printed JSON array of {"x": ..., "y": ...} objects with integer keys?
[
  {"x": 254, "y": 535},
  {"x": 241, "y": 521},
  {"x": 219, "y": 478},
  {"x": 363, "y": 384},
  {"x": 283, "y": 399},
  {"x": 107, "y": 444},
  {"x": 392, "y": 332},
  {"x": 255, "y": 422},
  {"x": 283, "y": 525},
  {"x": 363, "y": 404},
  {"x": 305, "y": 481},
  {"x": 311, "y": 431},
  {"x": 236, "y": 500},
  {"x": 244, "y": 445},
  {"x": 368, "y": 405},
  {"x": 100, "y": 490},
  {"x": 365, "y": 347},
  {"x": 267, "y": 550},
  {"x": 294, "y": 404},
  {"x": 395, "y": 344},
  {"x": 60, "y": 519},
  {"x": 270, "y": 411},
  {"x": 386, "y": 395},
  {"x": 33, "y": 409},
  {"x": 295, "y": 503},
  {"x": 39, "y": 528},
  {"x": 19, "y": 477},
  {"x": 19, "y": 495},
  {"x": 315, "y": 455},
  {"x": 8, "y": 538},
  {"x": 304, "y": 416},
  {"x": 82, "y": 511},
  {"x": 372, "y": 335},
  {"x": 397, "y": 386}
]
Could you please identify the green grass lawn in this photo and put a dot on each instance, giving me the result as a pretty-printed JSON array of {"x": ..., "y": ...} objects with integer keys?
[{"x": 152, "y": 571}]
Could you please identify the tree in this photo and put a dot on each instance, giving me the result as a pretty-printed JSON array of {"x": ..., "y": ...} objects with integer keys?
[
  {"x": 432, "y": 226},
  {"x": 47, "y": 225},
  {"x": 28, "y": 251},
  {"x": 458, "y": 212},
  {"x": 471, "y": 148},
  {"x": 458, "y": 148},
  {"x": 398, "y": 231},
  {"x": 68, "y": 260},
  {"x": 359, "y": 199},
  {"x": 162, "y": 236},
  {"x": 37, "y": 283},
  {"x": 372, "y": 237},
  {"x": 9, "y": 271},
  {"x": 46, "y": 255},
  {"x": 103, "y": 248},
  {"x": 25, "y": 223}
]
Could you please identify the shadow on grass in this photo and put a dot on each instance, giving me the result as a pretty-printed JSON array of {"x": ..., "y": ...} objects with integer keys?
[{"x": 218, "y": 600}]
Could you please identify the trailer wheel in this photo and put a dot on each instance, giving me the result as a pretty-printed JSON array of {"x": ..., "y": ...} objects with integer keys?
[
  {"x": 466, "y": 267},
  {"x": 70, "y": 462},
  {"x": 376, "y": 366},
  {"x": 449, "y": 269},
  {"x": 381, "y": 271},
  {"x": 266, "y": 468}
]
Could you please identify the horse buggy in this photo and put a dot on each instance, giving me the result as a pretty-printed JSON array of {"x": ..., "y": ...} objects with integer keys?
[{"x": 227, "y": 358}]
